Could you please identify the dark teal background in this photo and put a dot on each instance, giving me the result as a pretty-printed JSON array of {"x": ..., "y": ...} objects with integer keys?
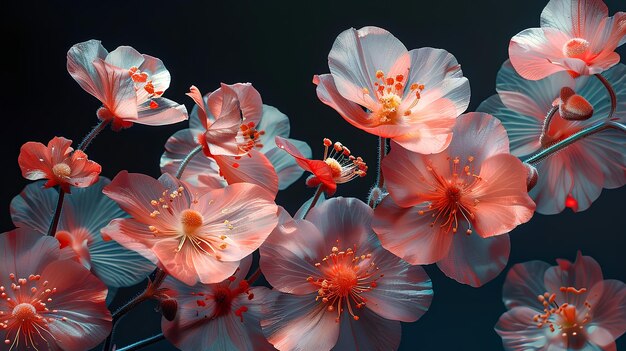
[{"x": 279, "y": 47}]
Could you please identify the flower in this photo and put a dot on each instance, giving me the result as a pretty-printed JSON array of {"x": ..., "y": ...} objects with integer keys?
[
  {"x": 337, "y": 167},
  {"x": 129, "y": 85},
  {"x": 85, "y": 213},
  {"x": 576, "y": 36},
  {"x": 575, "y": 176},
  {"x": 455, "y": 207},
  {"x": 264, "y": 164},
  {"x": 47, "y": 302},
  {"x": 193, "y": 235},
  {"x": 412, "y": 97},
  {"x": 59, "y": 163},
  {"x": 222, "y": 316},
  {"x": 340, "y": 288},
  {"x": 563, "y": 307}
]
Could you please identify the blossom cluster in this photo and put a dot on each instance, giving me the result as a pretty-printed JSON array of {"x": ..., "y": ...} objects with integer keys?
[{"x": 342, "y": 273}]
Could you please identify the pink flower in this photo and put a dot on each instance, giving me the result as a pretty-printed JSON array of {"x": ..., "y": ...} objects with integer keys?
[
  {"x": 340, "y": 288},
  {"x": 337, "y": 166},
  {"x": 576, "y": 36},
  {"x": 85, "y": 212},
  {"x": 455, "y": 207},
  {"x": 412, "y": 97},
  {"x": 59, "y": 163},
  {"x": 129, "y": 85},
  {"x": 575, "y": 176},
  {"x": 264, "y": 164},
  {"x": 563, "y": 307},
  {"x": 222, "y": 316},
  {"x": 194, "y": 235},
  {"x": 46, "y": 302}
]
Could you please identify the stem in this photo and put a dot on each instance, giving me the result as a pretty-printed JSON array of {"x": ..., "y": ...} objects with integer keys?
[
  {"x": 316, "y": 197},
  {"x": 141, "y": 343},
  {"x": 546, "y": 123},
  {"x": 185, "y": 162},
  {"x": 93, "y": 133},
  {"x": 594, "y": 129},
  {"x": 611, "y": 91},
  {"x": 147, "y": 294},
  {"x": 382, "y": 152},
  {"x": 57, "y": 213},
  {"x": 254, "y": 276}
]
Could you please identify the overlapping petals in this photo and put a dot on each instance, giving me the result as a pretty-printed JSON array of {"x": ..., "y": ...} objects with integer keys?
[
  {"x": 338, "y": 283},
  {"x": 194, "y": 235},
  {"x": 59, "y": 163},
  {"x": 48, "y": 302},
  {"x": 576, "y": 36},
  {"x": 455, "y": 207},
  {"x": 222, "y": 316},
  {"x": 412, "y": 97},
  {"x": 575, "y": 176},
  {"x": 85, "y": 213},
  {"x": 563, "y": 307},
  {"x": 130, "y": 85}
]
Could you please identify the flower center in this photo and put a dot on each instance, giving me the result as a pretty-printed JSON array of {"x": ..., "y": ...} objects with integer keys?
[
  {"x": 61, "y": 170},
  {"x": 390, "y": 93},
  {"x": 343, "y": 166},
  {"x": 576, "y": 48},
  {"x": 24, "y": 311},
  {"x": 568, "y": 319},
  {"x": 143, "y": 83},
  {"x": 344, "y": 277},
  {"x": 190, "y": 221},
  {"x": 451, "y": 200},
  {"x": 223, "y": 295},
  {"x": 251, "y": 136}
]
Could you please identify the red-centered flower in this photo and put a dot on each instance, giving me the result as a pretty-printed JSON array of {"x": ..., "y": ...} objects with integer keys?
[
  {"x": 59, "y": 163},
  {"x": 575, "y": 176},
  {"x": 222, "y": 316},
  {"x": 455, "y": 208},
  {"x": 47, "y": 302},
  {"x": 565, "y": 307},
  {"x": 576, "y": 36},
  {"x": 412, "y": 97},
  {"x": 129, "y": 85},
  {"x": 194, "y": 235},
  {"x": 340, "y": 288},
  {"x": 337, "y": 166}
]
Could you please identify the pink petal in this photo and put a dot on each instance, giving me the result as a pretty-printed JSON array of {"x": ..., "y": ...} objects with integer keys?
[
  {"x": 84, "y": 171},
  {"x": 35, "y": 161},
  {"x": 503, "y": 200},
  {"x": 519, "y": 332},
  {"x": 166, "y": 112},
  {"x": 356, "y": 55},
  {"x": 370, "y": 333},
  {"x": 479, "y": 135},
  {"x": 124, "y": 57},
  {"x": 253, "y": 168},
  {"x": 553, "y": 186},
  {"x": 24, "y": 252},
  {"x": 408, "y": 234},
  {"x": 475, "y": 260},
  {"x": 300, "y": 323},
  {"x": 319, "y": 168},
  {"x": 533, "y": 50},
  {"x": 133, "y": 235},
  {"x": 608, "y": 301},
  {"x": 577, "y": 18},
  {"x": 80, "y": 60},
  {"x": 585, "y": 272},
  {"x": 200, "y": 108},
  {"x": 118, "y": 90},
  {"x": 523, "y": 284}
]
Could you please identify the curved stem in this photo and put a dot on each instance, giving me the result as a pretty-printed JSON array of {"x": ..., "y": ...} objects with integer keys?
[
  {"x": 142, "y": 343},
  {"x": 611, "y": 91},
  {"x": 57, "y": 213},
  {"x": 185, "y": 161},
  {"x": 316, "y": 197},
  {"x": 594, "y": 129},
  {"x": 147, "y": 294},
  {"x": 93, "y": 133},
  {"x": 546, "y": 123}
]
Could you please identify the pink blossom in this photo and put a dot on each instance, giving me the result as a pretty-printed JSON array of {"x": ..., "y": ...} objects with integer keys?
[
  {"x": 337, "y": 166},
  {"x": 58, "y": 163},
  {"x": 563, "y": 307},
  {"x": 340, "y": 288},
  {"x": 575, "y": 176},
  {"x": 47, "y": 302},
  {"x": 222, "y": 316},
  {"x": 412, "y": 97},
  {"x": 264, "y": 164},
  {"x": 193, "y": 234},
  {"x": 576, "y": 36},
  {"x": 455, "y": 208},
  {"x": 129, "y": 85}
]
